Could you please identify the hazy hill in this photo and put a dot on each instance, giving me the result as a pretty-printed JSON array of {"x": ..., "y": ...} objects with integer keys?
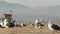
[{"x": 22, "y": 12}]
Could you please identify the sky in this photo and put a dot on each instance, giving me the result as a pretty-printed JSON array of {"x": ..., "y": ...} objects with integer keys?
[{"x": 35, "y": 3}]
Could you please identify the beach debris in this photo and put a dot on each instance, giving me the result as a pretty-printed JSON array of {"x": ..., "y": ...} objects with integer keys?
[
  {"x": 53, "y": 26},
  {"x": 31, "y": 24}
]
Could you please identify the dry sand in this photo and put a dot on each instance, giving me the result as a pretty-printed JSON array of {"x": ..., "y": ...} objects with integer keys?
[{"x": 29, "y": 29}]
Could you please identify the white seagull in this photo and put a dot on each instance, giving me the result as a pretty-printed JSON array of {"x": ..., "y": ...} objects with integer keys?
[
  {"x": 38, "y": 24},
  {"x": 53, "y": 26},
  {"x": 3, "y": 24},
  {"x": 6, "y": 23}
]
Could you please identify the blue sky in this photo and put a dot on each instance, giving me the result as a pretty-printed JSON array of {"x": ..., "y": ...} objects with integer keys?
[{"x": 35, "y": 3}]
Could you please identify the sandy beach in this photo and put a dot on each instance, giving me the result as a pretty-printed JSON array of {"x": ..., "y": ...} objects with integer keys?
[{"x": 28, "y": 29}]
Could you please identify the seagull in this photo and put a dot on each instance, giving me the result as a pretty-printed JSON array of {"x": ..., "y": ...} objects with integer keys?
[
  {"x": 6, "y": 23},
  {"x": 38, "y": 24},
  {"x": 10, "y": 23},
  {"x": 53, "y": 26},
  {"x": 3, "y": 23}
]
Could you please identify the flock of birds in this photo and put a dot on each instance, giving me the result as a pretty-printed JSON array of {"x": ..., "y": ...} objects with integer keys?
[
  {"x": 7, "y": 23},
  {"x": 38, "y": 24}
]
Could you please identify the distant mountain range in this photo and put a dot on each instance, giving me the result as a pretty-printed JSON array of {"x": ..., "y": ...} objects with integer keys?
[
  {"x": 24, "y": 12},
  {"x": 16, "y": 8}
]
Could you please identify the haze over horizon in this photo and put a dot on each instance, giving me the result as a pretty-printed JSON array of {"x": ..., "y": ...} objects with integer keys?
[
  {"x": 30, "y": 9},
  {"x": 35, "y": 3}
]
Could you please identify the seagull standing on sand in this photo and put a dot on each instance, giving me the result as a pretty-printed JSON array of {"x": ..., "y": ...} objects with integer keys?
[
  {"x": 3, "y": 24},
  {"x": 37, "y": 24},
  {"x": 53, "y": 26},
  {"x": 6, "y": 23}
]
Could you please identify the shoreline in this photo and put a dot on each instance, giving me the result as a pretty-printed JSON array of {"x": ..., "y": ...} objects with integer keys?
[{"x": 29, "y": 29}]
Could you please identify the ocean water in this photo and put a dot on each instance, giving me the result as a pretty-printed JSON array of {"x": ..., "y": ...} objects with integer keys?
[
  {"x": 33, "y": 18},
  {"x": 30, "y": 18}
]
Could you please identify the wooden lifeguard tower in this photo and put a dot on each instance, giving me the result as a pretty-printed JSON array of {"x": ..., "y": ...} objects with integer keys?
[{"x": 7, "y": 16}]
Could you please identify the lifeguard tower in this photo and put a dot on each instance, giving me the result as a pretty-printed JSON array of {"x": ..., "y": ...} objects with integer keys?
[
  {"x": 7, "y": 16},
  {"x": 10, "y": 20}
]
